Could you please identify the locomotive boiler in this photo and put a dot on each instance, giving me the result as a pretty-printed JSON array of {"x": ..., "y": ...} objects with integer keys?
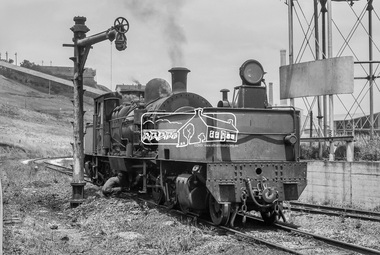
[{"x": 240, "y": 156}]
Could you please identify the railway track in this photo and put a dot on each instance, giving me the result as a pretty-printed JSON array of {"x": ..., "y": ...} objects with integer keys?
[
  {"x": 62, "y": 169},
  {"x": 254, "y": 235},
  {"x": 336, "y": 243},
  {"x": 255, "y": 232},
  {"x": 335, "y": 211}
]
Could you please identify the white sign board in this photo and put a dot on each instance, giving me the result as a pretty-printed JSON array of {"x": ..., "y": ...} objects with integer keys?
[{"x": 316, "y": 78}]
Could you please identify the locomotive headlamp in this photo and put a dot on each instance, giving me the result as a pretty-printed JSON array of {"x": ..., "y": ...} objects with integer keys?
[{"x": 251, "y": 72}]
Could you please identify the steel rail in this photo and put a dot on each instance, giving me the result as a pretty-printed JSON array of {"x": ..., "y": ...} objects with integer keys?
[
  {"x": 255, "y": 239},
  {"x": 282, "y": 226},
  {"x": 35, "y": 160},
  {"x": 246, "y": 238},
  {"x": 329, "y": 241},
  {"x": 58, "y": 168},
  {"x": 333, "y": 242},
  {"x": 335, "y": 211},
  {"x": 63, "y": 170}
]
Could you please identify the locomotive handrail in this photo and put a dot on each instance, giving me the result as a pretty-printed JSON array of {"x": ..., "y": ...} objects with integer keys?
[
  {"x": 247, "y": 133},
  {"x": 348, "y": 138},
  {"x": 282, "y": 107}
]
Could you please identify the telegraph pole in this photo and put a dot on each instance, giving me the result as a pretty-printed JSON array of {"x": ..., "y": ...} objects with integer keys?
[{"x": 82, "y": 46}]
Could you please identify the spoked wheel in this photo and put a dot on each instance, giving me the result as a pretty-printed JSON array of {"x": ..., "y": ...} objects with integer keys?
[
  {"x": 269, "y": 217},
  {"x": 219, "y": 213},
  {"x": 158, "y": 193}
]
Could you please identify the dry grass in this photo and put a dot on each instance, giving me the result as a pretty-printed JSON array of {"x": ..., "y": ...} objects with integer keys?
[
  {"x": 37, "y": 122},
  {"x": 40, "y": 199}
]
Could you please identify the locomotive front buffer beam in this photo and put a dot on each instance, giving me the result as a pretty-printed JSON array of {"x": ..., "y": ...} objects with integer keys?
[{"x": 260, "y": 186}]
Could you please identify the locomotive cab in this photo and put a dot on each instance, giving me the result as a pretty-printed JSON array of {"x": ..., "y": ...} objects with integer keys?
[{"x": 100, "y": 141}]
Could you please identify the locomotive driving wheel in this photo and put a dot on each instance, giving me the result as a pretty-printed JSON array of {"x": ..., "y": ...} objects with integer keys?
[{"x": 219, "y": 213}]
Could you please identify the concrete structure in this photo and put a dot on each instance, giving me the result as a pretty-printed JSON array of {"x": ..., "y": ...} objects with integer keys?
[{"x": 343, "y": 183}]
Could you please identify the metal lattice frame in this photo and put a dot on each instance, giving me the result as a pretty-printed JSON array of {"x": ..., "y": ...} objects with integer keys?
[{"x": 309, "y": 49}]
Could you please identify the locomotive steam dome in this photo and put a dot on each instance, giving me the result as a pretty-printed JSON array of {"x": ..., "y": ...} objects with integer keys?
[{"x": 155, "y": 89}]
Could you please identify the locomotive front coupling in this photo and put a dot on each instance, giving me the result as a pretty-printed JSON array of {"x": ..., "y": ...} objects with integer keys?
[{"x": 263, "y": 196}]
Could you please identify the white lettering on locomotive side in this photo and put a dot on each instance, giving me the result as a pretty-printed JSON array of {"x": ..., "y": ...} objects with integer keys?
[{"x": 188, "y": 128}]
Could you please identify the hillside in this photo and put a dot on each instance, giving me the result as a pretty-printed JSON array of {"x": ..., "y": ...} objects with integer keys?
[{"x": 36, "y": 122}]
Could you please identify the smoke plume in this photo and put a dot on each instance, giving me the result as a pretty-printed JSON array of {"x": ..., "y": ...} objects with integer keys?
[
  {"x": 135, "y": 81},
  {"x": 165, "y": 12}
]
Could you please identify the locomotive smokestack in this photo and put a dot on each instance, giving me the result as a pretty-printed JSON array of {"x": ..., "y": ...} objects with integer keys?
[{"x": 179, "y": 79}]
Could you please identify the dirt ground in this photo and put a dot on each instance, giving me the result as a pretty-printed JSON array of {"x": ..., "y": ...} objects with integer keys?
[{"x": 39, "y": 220}]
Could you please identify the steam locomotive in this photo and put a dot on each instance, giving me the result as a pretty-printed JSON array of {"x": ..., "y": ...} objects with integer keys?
[{"x": 240, "y": 156}]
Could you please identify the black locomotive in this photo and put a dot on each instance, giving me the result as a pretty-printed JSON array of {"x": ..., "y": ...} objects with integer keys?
[{"x": 240, "y": 156}]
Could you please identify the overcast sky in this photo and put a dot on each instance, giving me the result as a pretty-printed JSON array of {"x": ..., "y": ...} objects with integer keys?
[{"x": 212, "y": 38}]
